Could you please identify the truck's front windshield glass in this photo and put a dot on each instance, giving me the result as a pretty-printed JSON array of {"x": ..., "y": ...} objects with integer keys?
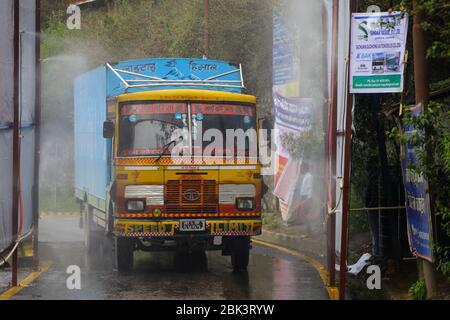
[
  {"x": 234, "y": 124},
  {"x": 145, "y": 128}
]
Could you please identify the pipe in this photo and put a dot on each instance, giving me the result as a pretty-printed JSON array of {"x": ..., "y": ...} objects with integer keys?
[
  {"x": 37, "y": 135},
  {"x": 331, "y": 151},
  {"x": 346, "y": 175},
  {"x": 206, "y": 30},
  {"x": 16, "y": 139}
]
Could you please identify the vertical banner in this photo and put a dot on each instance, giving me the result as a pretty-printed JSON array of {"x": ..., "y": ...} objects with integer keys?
[
  {"x": 418, "y": 212},
  {"x": 292, "y": 116},
  {"x": 285, "y": 86},
  {"x": 377, "y": 52},
  {"x": 6, "y": 120}
]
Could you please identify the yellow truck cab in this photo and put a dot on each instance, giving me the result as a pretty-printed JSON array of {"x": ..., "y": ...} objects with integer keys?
[{"x": 178, "y": 167}]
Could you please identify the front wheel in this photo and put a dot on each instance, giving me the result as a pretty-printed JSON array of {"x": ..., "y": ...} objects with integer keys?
[
  {"x": 124, "y": 248},
  {"x": 240, "y": 253}
]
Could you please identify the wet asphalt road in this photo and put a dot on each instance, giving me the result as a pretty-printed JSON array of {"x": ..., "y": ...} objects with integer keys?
[{"x": 271, "y": 274}]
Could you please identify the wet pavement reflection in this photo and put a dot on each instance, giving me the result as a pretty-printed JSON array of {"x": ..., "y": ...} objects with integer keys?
[{"x": 165, "y": 275}]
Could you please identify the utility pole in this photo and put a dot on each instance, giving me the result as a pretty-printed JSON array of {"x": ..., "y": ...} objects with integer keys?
[
  {"x": 346, "y": 173},
  {"x": 206, "y": 31},
  {"x": 331, "y": 150},
  {"x": 422, "y": 92},
  {"x": 16, "y": 142}
]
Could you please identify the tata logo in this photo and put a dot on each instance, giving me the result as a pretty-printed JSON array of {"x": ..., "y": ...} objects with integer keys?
[{"x": 191, "y": 195}]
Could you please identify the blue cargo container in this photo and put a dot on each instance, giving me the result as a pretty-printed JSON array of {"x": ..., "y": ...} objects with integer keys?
[
  {"x": 92, "y": 89},
  {"x": 91, "y": 150}
]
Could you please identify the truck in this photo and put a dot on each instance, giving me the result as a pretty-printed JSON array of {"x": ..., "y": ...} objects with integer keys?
[{"x": 151, "y": 171}]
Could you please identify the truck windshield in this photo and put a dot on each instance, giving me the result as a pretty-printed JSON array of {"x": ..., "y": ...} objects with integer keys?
[
  {"x": 234, "y": 124},
  {"x": 146, "y": 128}
]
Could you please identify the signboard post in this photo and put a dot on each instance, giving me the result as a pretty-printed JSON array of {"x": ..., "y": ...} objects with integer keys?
[{"x": 377, "y": 52}]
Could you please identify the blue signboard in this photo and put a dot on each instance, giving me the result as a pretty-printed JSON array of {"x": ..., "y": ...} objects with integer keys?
[
  {"x": 293, "y": 113},
  {"x": 417, "y": 200},
  {"x": 283, "y": 69},
  {"x": 176, "y": 73}
]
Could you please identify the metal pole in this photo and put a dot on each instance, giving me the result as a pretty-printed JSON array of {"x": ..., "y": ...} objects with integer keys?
[
  {"x": 16, "y": 141},
  {"x": 206, "y": 30},
  {"x": 332, "y": 140},
  {"x": 422, "y": 92},
  {"x": 37, "y": 135},
  {"x": 346, "y": 176}
]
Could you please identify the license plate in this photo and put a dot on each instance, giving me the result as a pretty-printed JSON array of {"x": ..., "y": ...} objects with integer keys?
[{"x": 192, "y": 225}]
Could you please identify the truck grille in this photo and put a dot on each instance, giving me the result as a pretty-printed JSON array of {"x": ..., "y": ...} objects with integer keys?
[{"x": 191, "y": 196}]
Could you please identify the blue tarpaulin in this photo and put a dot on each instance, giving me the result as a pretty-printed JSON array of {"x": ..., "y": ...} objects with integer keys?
[{"x": 27, "y": 111}]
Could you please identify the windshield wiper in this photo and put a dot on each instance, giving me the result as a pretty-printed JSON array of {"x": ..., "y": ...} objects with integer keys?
[{"x": 166, "y": 146}]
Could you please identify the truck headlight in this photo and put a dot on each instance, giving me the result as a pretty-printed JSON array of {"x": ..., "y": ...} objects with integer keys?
[
  {"x": 228, "y": 193},
  {"x": 244, "y": 203},
  {"x": 136, "y": 205},
  {"x": 153, "y": 194}
]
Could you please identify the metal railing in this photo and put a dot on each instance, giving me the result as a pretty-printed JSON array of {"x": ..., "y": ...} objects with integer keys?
[{"x": 151, "y": 81}]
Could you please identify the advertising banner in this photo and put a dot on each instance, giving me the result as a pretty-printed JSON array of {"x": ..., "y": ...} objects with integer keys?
[
  {"x": 292, "y": 116},
  {"x": 377, "y": 52},
  {"x": 418, "y": 212}
]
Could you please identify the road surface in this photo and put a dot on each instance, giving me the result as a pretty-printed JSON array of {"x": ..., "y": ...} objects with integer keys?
[{"x": 271, "y": 274}]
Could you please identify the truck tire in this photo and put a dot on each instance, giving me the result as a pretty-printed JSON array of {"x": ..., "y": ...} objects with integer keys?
[
  {"x": 88, "y": 225},
  {"x": 199, "y": 260},
  {"x": 124, "y": 249},
  {"x": 240, "y": 253}
]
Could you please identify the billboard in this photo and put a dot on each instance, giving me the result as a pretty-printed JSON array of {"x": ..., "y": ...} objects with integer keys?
[{"x": 377, "y": 52}]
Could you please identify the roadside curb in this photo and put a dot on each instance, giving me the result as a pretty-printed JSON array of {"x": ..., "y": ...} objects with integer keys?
[
  {"x": 333, "y": 292},
  {"x": 58, "y": 214},
  {"x": 8, "y": 294},
  {"x": 313, "y": 246}
]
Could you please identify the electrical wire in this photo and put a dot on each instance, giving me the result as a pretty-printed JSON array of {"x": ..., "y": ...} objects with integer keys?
[{"x": 344, "y": 101}]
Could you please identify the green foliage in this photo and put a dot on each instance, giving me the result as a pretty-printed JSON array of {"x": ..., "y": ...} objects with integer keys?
[
  {"x": 358, "y": 222},
  {"x": 132, "y": 29},
  {"x": 418, "y": 290},
  {"x": 57, "y": 200},
  {"x": 270, "y": 220},
  {"x": 437, "y": 25},
  {"x": 299, "y": 146}
]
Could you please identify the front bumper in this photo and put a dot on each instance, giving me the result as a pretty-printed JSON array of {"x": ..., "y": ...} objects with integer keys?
[{"x": 171, "y": 228}]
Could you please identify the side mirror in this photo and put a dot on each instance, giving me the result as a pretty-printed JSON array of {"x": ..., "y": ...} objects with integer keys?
[
  {"x": 108, "y": 129},
  {"x": 265, "y": 124}
]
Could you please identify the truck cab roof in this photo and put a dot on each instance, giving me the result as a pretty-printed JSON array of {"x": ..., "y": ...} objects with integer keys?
[{"x": 187, "y": 94}]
